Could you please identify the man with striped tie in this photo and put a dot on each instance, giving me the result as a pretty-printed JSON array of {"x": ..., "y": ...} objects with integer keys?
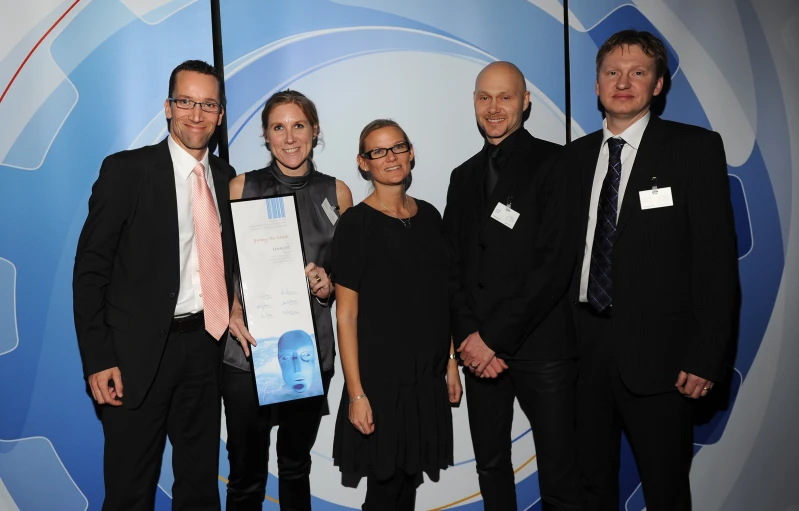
[{"x": 152, "y": 295}]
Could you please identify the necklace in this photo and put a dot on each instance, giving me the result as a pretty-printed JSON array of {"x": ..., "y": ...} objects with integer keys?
[{"x": 405, "y": 221}]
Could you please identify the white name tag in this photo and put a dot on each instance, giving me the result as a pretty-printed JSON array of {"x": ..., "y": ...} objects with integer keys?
[
  {"x": 657, "y": 198},
  {"x": 329, "y": 211},
  {"x": 505, "y": 215}
]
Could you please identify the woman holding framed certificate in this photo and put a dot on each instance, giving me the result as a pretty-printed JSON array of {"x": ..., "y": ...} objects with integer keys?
[
  {"x": 391, "y": 266},
  {"x": 291, "y": 131}
]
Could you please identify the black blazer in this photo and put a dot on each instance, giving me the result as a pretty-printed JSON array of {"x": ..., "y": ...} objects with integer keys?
[
  {"x": 127, "y": 271},
  {"x": 675, "y": 269},
  {"x": 511, "y": 284}
]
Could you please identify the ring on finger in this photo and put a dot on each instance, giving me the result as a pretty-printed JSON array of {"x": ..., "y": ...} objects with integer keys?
[{"x": 318, "y": 278}]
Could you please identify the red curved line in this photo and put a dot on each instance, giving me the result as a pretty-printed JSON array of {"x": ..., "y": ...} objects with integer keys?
[{"x": 34, "y": 49}]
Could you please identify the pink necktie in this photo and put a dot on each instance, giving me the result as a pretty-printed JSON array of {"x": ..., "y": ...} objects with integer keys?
[{"x": 209, "y": 255}]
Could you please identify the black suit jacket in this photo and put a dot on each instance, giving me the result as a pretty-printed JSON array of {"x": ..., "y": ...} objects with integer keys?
[
  {"x": 127, "y": 270},
  {"x": 675, "y": 269},
  {"x": 511, "y": 284}
]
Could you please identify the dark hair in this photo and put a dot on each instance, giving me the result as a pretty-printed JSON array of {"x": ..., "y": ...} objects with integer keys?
[
  {"x": 650, "y": 44},
  {"x": 286, "y": 97},
  {"x": 198, "y": 66},
  {"x": 374, "y": 126}
]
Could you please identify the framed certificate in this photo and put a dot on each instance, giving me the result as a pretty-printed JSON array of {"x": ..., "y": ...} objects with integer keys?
[{"x": 276, "y": 298}]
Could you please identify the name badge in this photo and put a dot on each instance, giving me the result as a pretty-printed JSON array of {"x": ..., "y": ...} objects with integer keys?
[
  {"x": 505, "y": 215},
  {"x": 329, "y": 211},
  {"x": 656, "y": 198}
]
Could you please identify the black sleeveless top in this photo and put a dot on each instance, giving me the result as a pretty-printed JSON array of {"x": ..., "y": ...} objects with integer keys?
[{"x": 311, "y": 191}]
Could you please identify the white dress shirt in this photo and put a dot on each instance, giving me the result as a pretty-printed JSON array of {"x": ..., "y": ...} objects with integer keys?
[
  {"x": 632, "y": 138},
  {"x": 190, "y": 297}
]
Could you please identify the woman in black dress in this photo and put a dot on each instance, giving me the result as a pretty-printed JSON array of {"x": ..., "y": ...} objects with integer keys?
[
  {"x": 291, "y": 131},
  {"x": 391, "y": 265}
]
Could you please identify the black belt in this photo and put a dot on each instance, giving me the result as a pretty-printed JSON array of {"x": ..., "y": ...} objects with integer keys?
[
  {"x": 187, "y": 323},
  {"x": 587, "y": 307}
]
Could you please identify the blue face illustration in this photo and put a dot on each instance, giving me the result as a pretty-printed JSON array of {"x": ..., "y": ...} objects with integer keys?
[{"x": 296, "y": 353}]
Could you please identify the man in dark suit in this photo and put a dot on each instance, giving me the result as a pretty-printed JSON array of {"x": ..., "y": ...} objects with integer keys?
[
  {"x": 511, "y": 319},
  {"x": 152, "y": 294},
  {"x": 656, "y": 289}
]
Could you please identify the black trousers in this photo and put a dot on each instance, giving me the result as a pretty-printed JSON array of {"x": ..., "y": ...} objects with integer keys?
[
  {"x": 395, "y": 494},
  {"x": 658, "y": 427},
  {"x": 248, "y": 429},
  {"x": 183, "y": 403},
  {"x": 546, "y": 393}
]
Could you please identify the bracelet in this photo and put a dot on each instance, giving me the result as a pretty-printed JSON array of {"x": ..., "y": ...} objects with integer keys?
[
  {"x": 453, "y": 356},
  {"x": 359, "y": 396}
]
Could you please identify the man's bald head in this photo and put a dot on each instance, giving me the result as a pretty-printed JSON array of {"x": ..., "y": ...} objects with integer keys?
[
  {"x": 506, "y": 72},
  {"x": 500, "y": 99}
]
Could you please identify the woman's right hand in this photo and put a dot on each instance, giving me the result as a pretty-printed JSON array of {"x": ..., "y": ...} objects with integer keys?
[
  {"x": 454, "y": 387},
  {"x": 238, "y": 330},
  {"x": 361, "y": 416}
]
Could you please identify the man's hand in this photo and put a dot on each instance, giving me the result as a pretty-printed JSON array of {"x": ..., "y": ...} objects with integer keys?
[
  {"x": 492, "y": 370},
  {"x": 690, "y": 385},
  {"x": 238, "y": 330},
  {"x": 104, "y": 393},
  {"x": 320, "y": 283},
  {"x": 475, "y": 354}
]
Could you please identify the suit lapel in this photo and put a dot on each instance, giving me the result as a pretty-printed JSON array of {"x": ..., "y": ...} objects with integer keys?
[
  {"x": 164, "y": 180},
  {"x": 646, "y": 161},
  {"x": 587, "y": 161},
  {"x": 472, "y": 198},
  {"x": 221, "y": 189}
]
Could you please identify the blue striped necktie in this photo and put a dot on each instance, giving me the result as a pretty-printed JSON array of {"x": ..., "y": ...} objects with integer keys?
[{"x": 600, "y": 274}]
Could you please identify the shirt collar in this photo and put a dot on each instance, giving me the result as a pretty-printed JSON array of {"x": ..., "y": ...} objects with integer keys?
[
  {"x": 632, "y": 135},
  {"x": 505, "y": 147},
  {"x": 182, "y": 161}
]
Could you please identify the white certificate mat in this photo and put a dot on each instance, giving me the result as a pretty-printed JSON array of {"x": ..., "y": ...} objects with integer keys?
[{"x": 276, "y": 299}]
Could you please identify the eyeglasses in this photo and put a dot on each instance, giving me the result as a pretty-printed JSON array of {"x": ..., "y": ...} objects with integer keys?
[
  {"x": 205, "y": 106},
  {"x": 381, "y": 152}
]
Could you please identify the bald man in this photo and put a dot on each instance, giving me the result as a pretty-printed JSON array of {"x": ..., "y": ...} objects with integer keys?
[{"x": 508, "y": 227}]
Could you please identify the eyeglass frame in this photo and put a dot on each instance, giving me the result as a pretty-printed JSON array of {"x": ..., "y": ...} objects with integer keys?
[
  {"x": 195, "y": 103},
  {"x": 368, "y": 154}
]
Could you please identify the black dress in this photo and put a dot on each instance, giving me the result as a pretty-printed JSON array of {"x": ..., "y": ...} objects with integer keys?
[{"x": 400, "y": 275}]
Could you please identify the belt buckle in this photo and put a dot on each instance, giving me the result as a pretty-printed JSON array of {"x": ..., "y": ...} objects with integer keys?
[{"x": 187, "y": 322}]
